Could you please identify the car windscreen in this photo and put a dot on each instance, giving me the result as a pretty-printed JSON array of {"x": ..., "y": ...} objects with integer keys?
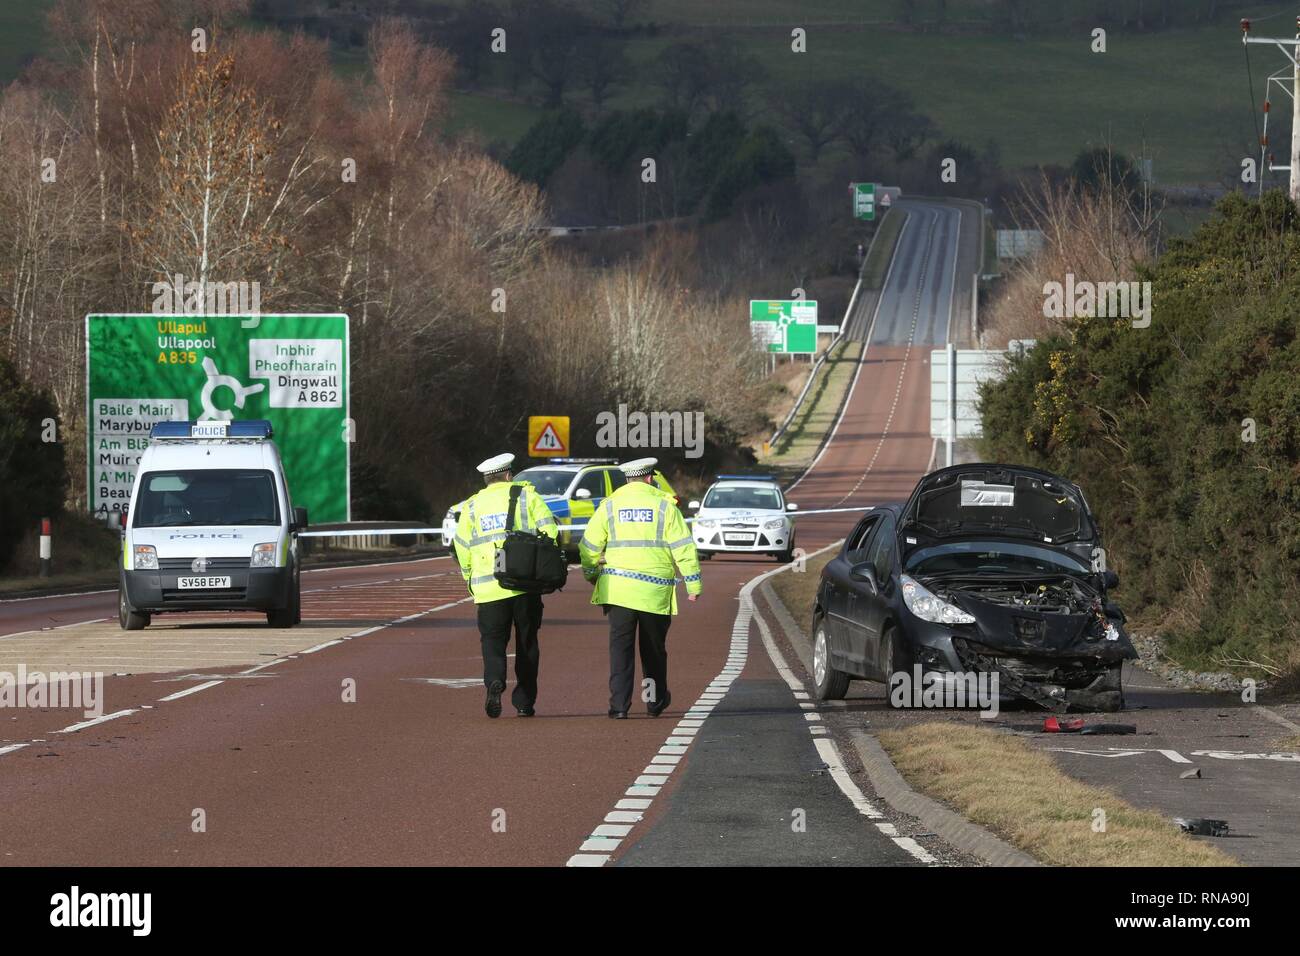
[
  {"x": 209, "y": 496},
  {"x": 758, "y": 498},
  {"x": 992, "y": 557},
  {"x": 547, "y": 481}
]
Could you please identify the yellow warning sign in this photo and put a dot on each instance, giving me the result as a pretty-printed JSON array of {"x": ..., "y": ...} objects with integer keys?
[{"x": 548, "y": 436}]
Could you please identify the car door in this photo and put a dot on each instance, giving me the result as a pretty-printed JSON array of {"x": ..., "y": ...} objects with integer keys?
[
  {"x": 581, "y": 509},
  {"x": 840, "y": 593},
  {"x": 872, "y": 605}
]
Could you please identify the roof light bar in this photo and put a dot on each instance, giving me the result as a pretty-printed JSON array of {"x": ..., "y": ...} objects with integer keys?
[{"x": 251, "y": 428}]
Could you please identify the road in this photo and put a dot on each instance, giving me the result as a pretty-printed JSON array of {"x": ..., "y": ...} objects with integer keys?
[{"x": 227, "y": 742}]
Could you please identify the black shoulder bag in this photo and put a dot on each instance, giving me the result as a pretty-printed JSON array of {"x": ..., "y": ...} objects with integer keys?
[{"x": 528, "y": 560}]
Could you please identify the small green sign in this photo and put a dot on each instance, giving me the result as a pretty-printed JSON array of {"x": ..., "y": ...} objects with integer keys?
[
  {"x": 787, "y": 326},
  {"x": 289, "y": 369},
  {"x": 864, "y": 200}
]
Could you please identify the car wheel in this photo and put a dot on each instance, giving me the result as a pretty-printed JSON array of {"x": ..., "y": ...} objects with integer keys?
[
  {"x": 280, "y": 617},
  {"x": 829, "y": 683},
  {"x": 297, "y": 598},
  {"x": 1104, "y": 695},
  {"x": 128, "y": 618},
  {"x": 706, "y": 555},
  {"x": 895, "y": 659}
]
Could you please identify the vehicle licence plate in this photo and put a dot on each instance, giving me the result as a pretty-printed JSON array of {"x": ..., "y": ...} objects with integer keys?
[
  {"x": 736, "y": 538},
  {"x": 209, "y": 582}
]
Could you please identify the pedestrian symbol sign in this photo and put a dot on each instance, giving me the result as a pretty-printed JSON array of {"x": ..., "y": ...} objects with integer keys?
[{"x": 548, "y": 436}]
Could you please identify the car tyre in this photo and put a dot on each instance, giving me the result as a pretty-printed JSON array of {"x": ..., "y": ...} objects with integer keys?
[
  {"x": 290, "y": 615},
  {"x": 706, "y": 555},
  {"x": 128, "y": 618},
  {"x": 897, "y": 657},
  {"x": 828, "y": 683}
]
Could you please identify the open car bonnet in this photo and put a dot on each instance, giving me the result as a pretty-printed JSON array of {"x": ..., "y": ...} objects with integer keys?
[{"x": 999, "y": 501}]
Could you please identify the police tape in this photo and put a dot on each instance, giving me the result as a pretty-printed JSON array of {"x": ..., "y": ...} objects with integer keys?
[{"x": 370, "y": 531}]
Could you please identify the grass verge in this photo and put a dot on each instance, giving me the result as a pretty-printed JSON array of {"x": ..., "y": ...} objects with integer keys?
[
  {"x": 795, "y": 449},
  {"x": 1002, "y": 783},
  {"x": 798, "y": 591},
  {"x": 882, "y": 249}
]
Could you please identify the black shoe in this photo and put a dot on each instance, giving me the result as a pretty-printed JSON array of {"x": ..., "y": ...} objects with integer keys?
[
  {"x": 618, "y": 714},
  {"x": 493, "y": 703},
  {"x": 658, "y": 708},
  {"x": 526, "y": 711}
]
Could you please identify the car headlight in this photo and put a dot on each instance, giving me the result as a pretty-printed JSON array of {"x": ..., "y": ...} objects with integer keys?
[
  {"x": 263, "y": 555},
  {"x": 706, "y": 522},
  {"x": 146, "y": 557},
  {"x": 773, "y": 524},
  {"x": 930, "y": 608}
]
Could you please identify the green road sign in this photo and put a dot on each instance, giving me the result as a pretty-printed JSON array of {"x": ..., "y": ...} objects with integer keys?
[
  {"x": 784, "y": 325},
  {"x": 864, "y": 200},
  {"x": 290, "y": 369}
]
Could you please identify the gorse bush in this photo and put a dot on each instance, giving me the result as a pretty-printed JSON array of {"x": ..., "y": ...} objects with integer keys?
[{"x": 1186, "y": 436}]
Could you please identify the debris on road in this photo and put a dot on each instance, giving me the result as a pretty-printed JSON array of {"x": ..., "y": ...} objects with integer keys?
[
  {"x": 1054, "y": 725},
  {"x": 1202, "y": 827},
  {"x": 1193, "y": 774},
  {"x": 1113, "y": 729}
]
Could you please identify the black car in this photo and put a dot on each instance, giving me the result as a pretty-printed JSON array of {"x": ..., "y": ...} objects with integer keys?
[{"x": 987, "y": 569}]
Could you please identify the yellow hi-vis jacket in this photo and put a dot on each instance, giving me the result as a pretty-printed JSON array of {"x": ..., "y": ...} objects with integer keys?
[
  {"x": 482, "y": 528},
  {"x": 642, "y": 535}
]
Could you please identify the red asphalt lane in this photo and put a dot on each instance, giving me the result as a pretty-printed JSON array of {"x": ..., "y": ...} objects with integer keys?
[{"x": 285, "y": 772}]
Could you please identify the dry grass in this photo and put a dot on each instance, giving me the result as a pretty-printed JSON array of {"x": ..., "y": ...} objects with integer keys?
[
  {"x": 1002, "y": 783},
  {"x": 798, "y": 591}
]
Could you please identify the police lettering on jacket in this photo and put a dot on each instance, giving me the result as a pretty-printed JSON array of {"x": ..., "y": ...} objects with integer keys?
[
  {"x": 636, "y": 514},
  {"x": 492, "y": 522}
]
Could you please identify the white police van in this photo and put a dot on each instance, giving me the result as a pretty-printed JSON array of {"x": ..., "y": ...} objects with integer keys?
[{"x": 211, "y": 526}]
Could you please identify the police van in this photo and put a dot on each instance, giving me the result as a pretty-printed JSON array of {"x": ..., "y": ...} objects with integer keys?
[{"x": 211, "y": 526}]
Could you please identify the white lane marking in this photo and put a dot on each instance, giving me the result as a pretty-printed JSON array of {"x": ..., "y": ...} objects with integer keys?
[
  {"x": 97, "y": 720},
  {"x": 830, "y": 754},
  {"x": 862, "y": 356},
  {"x": 642, "y": 786},
  {"x": 922, "y": 271},
  {"x": 256, "y": 667},
  {"x": 321, "y": 647},
  {"x": 48, "y": 597},
  {"x": 189, "y": 690}
]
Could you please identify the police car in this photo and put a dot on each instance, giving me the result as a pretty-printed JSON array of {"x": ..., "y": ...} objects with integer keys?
[
  {"x": 574, "y": 487},
  {"x": 744, "y": 514},
  {"x": 211, "y": 526}
]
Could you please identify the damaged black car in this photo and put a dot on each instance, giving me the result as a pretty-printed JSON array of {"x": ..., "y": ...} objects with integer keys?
[{"x": 986, "y": 570}]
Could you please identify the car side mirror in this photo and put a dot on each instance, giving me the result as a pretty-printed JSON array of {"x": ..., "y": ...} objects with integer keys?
[
  {"x": 299, "y": 519},
  {"x": 791, "y": 506},
  {"x": 1109, "y": 580},
  {"x": 865, "y": 573},
  {"x": 693, "y": 506},
  {"x": 582, "y": 494}
]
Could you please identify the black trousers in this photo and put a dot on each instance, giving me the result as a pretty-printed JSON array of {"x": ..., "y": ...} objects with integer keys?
[
  {"x": 625, "y": 625},
  {"x": 523, "y": 613}
]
